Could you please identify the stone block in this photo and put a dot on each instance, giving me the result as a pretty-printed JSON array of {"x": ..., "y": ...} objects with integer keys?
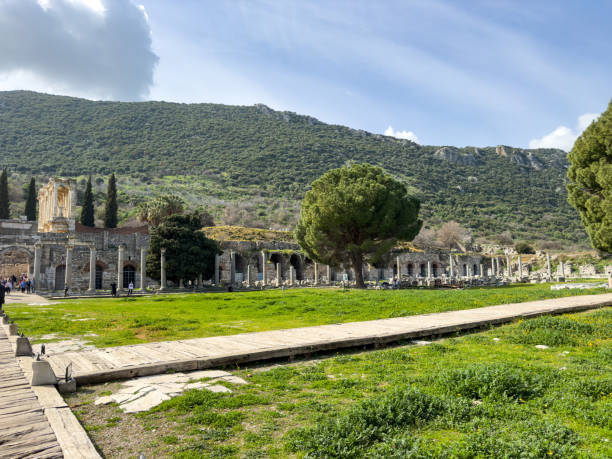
[
  {"x": 67, "y": 387},
  {"x": 23, "y": 347},
  {"x": 42, "y": 373},
  {"x": 13, "y": 330},
  {"x": 5, "y": 320}
]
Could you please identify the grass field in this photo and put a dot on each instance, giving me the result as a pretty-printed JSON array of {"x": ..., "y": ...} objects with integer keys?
[
  {"x": 487, "y": 394},
  {"x": 120, "y": 321}
]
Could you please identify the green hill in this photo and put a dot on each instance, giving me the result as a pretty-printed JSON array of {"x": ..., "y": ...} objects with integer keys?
[{"x": 259, "y": 162}]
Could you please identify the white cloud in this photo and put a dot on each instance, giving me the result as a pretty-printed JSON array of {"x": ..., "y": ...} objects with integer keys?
[
  {"x": 100, "y": 49},
  {"x": 564, "y": 137},
  {"x": 408, "y": 135}
]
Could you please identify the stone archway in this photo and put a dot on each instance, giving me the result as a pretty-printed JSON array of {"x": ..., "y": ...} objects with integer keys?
[
  {"x": 296, "y": 262},
  {"x": 129, "y": 275},
  {"x": 241, "y": 267}
]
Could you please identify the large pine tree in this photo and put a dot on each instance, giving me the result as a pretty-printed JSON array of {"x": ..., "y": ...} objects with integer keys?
[
  {"x": 87, "y": 212},
  {"x": 110, "y": 210},
  {"x": 30, "y": 205},
  {"x": 4, "y": 197}
]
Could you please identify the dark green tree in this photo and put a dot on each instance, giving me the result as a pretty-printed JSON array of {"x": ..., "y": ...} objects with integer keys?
[
  {"x": 4, "y": 196},
  {"x": 590, "y": 176},
  {"x": 30, "y": 205},
  {"x": 188, "y": 251},
  {"x": 87, "y": 211},
  {"x": 110, "y": 209},
  {"x": 356, "y": 214},
  {"x": 523, "y": 247}
]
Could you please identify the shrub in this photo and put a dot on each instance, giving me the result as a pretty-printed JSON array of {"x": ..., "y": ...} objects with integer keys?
[
  {"x": 495, "y": 381},
  {"x": 523, "y": 247},
  {"x": 552, "y": 331}
]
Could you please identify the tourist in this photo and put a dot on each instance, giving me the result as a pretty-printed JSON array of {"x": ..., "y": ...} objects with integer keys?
[
  {"x": 28, "y": 286},
  {"x": 22, "y": 284},
  {"x": 65, "y": 290},
  {"x": 130, "y": 288},
  {"x": 2, "y": 290},
  {"x": 9, "y": 286},
  {"x": 114, "y": 289}
]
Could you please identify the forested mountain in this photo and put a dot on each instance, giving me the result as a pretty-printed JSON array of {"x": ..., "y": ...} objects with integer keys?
[{"x": 253, "y": 158}]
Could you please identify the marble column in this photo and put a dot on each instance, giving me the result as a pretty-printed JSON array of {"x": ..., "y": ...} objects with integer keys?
[
  {"x": 482, "y": 273},
  {"x": 548, "y": 266},
  {"x": 316, "y": 273},
  {"x": 329, "y": 279},
  {"x": 162, "y": 269},
  {"x": 264, "y": 274},
  {"x": 68, "y": 278},
  {"x": 249, "y": 274},
  {"x": 143, "y": 268},
  {"x": 469, "y": 270},
  {"x": 509, "y": 266},
  {"x": 279, "y": 277},
  {"x": 493, "y": 272},
  {"x": 37, "y": 262},
  {"x": 232, "y": 268},
  {"x": 399, "y": 270},
  {"x": 451, "y": 265},
  {"x": 217, "y": 280},
  {"x": 562, "y": 265},
  {"x": 92, "y": 269},
  {"x": 499, "y": 268},
  {"x": 429, "y": 270},
  {"x": 520, "y": 267},
  {"x": 200, "y": 281},
  {"x": 120, "y": 260},
  {"x": 291, "y": 275}
]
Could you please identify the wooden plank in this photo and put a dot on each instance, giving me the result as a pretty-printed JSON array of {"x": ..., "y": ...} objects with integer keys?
[{"x": 70, "y": 434}]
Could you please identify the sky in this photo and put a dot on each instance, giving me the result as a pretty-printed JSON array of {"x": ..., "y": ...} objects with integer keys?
[{"x": 438, "y": 72}]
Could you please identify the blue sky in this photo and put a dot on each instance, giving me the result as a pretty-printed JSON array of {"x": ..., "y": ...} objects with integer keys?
[{"x": 479, "y": 72}]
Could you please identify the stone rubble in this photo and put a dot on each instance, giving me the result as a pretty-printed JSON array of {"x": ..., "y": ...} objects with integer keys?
[{"x": 142, "y": 394}]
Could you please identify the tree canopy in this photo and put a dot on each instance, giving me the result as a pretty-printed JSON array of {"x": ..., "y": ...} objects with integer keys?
[
  {"x": 354, "y": 214},
  {"x": 590, "y": 175},
  {"x": 188, "y": 251},
  {"x": 111, "y": 207},
  {"x": 4, "y": 196},
  {"x": 156, "y": 210},
  {"x": 31, "y": 200},
  {"x": 87, "y": 211}
]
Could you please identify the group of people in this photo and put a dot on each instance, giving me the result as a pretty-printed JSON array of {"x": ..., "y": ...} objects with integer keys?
[{"x": 13, "y": 284}]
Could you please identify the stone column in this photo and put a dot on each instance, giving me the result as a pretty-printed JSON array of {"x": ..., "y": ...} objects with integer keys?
[
  {"x": 481, "y": 270},
  {"x": 429, "y": 270},
  {"x": 92, "y": 269},
  {"x": 469, "y": 269},
  {"x": 68, "y": 278},
  {"x": 200, "y": 280},
  {"x": 143, "y": 268},
  {"x": 493, "y": 272},
  {"x": 509, "y": 266},
  {"x": 120, "y": 259},
  {"x": 452, "y": 268},
  {"x": 279, "y": 276},
  {"x": 291, "y": 276},
  {"x": 548, "y": 266},
  {"x": 399, "y": 270},
  {"x": 217, "y": 280},
  {"x": 520, "y": 267},
  {"x": 316, "y": 273},
  {"x": 37, "y": 261},
  {"x": 498, "y": 267},
  {"x": 264, "y": 277},
  {"x": 249, "y": 274},
  {"x": 329, "y": 279},
  {"x": 562, "y": 265},
  {"x": 232, "y": 268},
  {"x": 162, "y": 269},
  {"x": 182, "y": 284}
]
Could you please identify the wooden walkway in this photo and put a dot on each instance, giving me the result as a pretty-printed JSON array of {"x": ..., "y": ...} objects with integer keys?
[
  {"x": 24, "y": 429},
  {"x": 108, "y": 364}
]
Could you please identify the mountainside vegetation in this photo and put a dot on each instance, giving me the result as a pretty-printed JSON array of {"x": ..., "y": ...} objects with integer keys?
[{"x": 252, "y": 165}]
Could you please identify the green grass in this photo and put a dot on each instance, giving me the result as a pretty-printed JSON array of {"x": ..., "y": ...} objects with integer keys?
[
  {"x": 120, "y": 321},
  {"x": 488, "y": 394}
]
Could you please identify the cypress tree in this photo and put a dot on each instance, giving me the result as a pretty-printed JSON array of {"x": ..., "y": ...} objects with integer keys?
[
  {"x": 87, "y": 212},
  {"x": 110, "y": 210},
  {"x": 4, "y": 197},
  {"x": 30, "y": 205}
]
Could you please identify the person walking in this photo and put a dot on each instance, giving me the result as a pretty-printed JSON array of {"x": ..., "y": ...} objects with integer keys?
[
  {"x": 28, "y": 286},
  {"x": 65, "y": 290},
  {"x": 114, "y": 289},
  {"x": 130, "y": 288},
  {"x": 2, "y": 291}
]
